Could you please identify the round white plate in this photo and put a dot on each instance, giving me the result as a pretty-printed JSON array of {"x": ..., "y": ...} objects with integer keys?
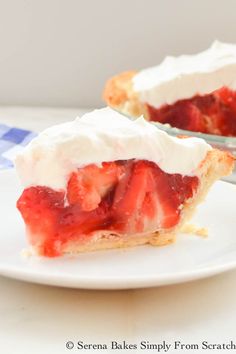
[{"x": 190, "y": 258}]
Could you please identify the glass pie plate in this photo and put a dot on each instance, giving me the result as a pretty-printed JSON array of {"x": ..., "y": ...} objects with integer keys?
[{"x": 217, "y": 141}]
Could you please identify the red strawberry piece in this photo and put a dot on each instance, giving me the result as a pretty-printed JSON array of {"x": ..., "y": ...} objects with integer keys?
[
  {"x": 166, "y": 200},
  {"x": 129, "y": 195},
  {"x": 81, "y": 191},
  {"x": 41, "y": 208},
  {"x": 169, "y": 192},
  {"x": 90, "y": 184}
]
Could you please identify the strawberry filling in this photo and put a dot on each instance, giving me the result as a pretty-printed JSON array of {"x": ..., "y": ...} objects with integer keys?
[
  {"x": 126, "y": 197},
  {"x": 211, "y": 114}
]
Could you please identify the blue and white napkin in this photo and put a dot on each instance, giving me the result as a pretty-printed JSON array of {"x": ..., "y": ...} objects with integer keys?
[{"x": 12, "y": 141}]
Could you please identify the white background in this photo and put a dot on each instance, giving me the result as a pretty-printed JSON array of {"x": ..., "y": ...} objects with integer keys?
[{"x": 60, "y": 52}]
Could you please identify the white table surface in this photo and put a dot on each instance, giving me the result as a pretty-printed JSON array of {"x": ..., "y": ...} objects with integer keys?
[{"x": 37, "y": 319}]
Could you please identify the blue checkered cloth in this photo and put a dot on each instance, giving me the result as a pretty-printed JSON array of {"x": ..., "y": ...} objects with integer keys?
[{"x": 12, "y": 141}]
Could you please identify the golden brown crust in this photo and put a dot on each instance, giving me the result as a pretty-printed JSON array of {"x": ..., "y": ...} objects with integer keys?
[
  {"x": 117, "y": 89},
  {"x": 119, "y": 94},
  {"x": 111, "y": 241}
]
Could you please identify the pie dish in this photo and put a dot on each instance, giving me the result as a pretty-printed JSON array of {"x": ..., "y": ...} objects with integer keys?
[
  {"x": 190, "y": 92},
  {"x": 104, "y": 181}
]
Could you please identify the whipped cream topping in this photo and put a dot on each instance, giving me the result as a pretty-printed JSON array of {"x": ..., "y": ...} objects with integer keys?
[
  {"x": 185, "y": 76},
  {"x": 101, "y": 136}
]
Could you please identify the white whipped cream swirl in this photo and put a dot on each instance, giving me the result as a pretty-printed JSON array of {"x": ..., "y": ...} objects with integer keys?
[
  {"x": 103, "y": 135},
  {"x": 185, "y": 76}
]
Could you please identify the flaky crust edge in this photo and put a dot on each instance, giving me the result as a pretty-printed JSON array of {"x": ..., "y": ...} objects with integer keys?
[{"x": 119, "y": 94}]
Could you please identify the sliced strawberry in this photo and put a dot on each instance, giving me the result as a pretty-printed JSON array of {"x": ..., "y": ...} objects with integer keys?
[
  {"x": 81, "y": 191},
  {"x": 90, "y": 184},
  {"x": 148, "y": 198},
  {"x": 149, "y": 207},
  {"x": 41, "y": 208},
  {"x": 167, "y": 200},
  {"x": 169, "y": 192},
  {"x": 129, "y": 195},
  {"x": 34, "y": 201}
]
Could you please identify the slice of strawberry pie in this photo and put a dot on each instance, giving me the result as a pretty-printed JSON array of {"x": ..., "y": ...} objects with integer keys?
[{"x": 104, "y": 181}]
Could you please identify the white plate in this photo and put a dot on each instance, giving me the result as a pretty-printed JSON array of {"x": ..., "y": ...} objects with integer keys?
[{"x": 190, "y": 258}]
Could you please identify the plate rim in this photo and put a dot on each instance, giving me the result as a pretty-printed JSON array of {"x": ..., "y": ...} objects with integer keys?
[{"x": 109, "y": 283}]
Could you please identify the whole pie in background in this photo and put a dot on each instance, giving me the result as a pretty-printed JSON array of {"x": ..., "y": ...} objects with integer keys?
[{"x": 190, "y": 92}]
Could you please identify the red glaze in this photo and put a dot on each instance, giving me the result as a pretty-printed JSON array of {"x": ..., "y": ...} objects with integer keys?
[
  {"x": 212, "y": 114},
  {"x": 123, "y": 196}
]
